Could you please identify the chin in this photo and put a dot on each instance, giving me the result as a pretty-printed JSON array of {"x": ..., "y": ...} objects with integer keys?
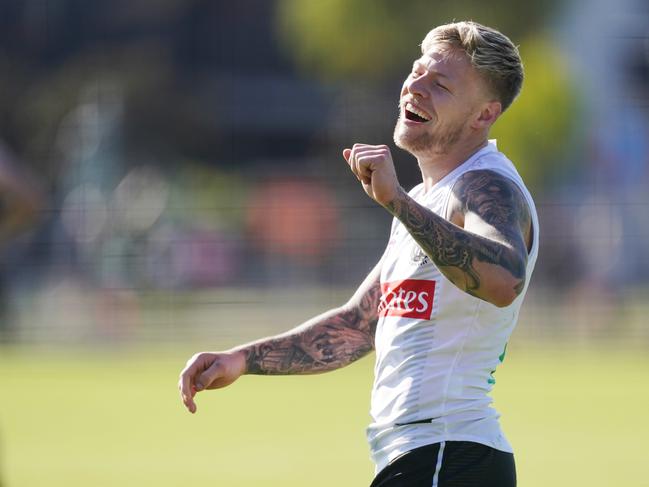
[
  {"x": 415, "y": 144},
  {"x": 421, "y": 143},
  {"x": 401, "y": 138},
  {"x": 401, "y": 143}
]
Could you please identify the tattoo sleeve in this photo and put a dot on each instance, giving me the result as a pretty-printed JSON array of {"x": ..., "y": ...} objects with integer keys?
[
  {"x": 327, "y": 342},
  {"x": 496, "y": 217}
]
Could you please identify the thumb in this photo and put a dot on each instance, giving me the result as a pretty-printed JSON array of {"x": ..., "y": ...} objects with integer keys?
[
  {"x": 210, "y": 375},
  {"x": 346, "y": 154}
]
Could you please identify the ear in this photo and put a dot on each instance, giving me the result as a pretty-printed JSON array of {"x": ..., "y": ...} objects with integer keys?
[{"x": 489, "y": 113}]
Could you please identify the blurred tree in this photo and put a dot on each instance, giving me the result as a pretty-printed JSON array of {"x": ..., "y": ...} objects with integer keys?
[
  {"x": 375, "y": 38},
  {"x": 378, "y": 39},
  {"x": 542, "y": 125}
]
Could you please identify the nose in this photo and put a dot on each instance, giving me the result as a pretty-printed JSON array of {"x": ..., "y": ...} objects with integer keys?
[{"x": 416, "y": 85}]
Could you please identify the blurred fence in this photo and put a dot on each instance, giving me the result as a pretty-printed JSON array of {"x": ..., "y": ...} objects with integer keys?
[{"x": 174, "y": 172}]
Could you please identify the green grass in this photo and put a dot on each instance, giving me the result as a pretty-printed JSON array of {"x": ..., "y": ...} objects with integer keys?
[{"x": 114, "y": 419}]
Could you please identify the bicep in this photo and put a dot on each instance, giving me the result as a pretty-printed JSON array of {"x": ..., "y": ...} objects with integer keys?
[{"x": 492, "y": 206}]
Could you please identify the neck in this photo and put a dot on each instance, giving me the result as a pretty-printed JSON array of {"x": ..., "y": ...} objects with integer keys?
[{"x": 435, "y": 165}]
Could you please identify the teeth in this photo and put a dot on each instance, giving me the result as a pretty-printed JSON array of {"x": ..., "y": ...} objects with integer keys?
[{"x": 412, "y": 108}]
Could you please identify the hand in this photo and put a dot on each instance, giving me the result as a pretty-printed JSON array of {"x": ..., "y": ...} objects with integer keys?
[
  {"x": 373, "y": 166},
  {"x": 209, "y": 370}
]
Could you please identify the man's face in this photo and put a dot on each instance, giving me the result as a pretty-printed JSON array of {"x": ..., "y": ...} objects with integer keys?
[{"x": 438, "y": 98}]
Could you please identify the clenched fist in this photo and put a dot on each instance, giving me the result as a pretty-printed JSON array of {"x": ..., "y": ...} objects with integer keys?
[{"x": 373, "y": 166}]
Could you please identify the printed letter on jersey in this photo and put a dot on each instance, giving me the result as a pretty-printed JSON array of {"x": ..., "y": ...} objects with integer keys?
[{"x": 410, "y": 298}]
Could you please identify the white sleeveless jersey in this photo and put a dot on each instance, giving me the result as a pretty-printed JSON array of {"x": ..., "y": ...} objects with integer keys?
[{"x": 437, "y": 346}]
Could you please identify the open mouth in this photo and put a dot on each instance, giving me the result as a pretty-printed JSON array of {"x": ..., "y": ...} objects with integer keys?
[{"x": 415, "y": 114}]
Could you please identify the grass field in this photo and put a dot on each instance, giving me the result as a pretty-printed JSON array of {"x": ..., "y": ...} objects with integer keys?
[{"x": 102, "y": 418}]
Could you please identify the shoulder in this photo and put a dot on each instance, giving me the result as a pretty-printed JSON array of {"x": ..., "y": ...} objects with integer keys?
[
  {"x": 484, "y": 190},
  {"x": 493, "y": 197}
]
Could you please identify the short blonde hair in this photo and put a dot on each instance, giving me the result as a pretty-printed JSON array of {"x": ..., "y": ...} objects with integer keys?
[{"x": 490, "y": 52}]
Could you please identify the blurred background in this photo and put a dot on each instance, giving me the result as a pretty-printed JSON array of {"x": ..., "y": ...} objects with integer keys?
[{"x": 171, "y": 180}]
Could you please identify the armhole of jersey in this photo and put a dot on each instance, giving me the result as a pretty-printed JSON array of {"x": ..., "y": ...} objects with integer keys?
[
  {"x": 533, "y": 232},
  {"x": 534, "y": 219},
  {"x": 393, "y": 226},
  {"x": 447, "y": 198}
]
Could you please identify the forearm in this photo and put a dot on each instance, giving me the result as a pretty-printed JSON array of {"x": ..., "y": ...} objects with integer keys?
[
  {"x": 327, "y": 342},
  {"x": 478, "y": 265}
]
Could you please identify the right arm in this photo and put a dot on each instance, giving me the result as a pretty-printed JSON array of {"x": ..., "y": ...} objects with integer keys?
[{"x": 327, "y": 342}]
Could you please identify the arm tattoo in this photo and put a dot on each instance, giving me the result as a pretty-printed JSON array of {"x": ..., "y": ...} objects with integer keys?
[
  {"x": 328, "y": 342},
  {"x": 498, "y": 203}
]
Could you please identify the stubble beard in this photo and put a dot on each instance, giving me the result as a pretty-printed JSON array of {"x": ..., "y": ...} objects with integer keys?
[{"x": 438, "y": 142}]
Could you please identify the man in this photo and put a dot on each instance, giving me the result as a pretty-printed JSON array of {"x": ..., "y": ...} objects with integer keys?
[{"x": 440, "y": 305}]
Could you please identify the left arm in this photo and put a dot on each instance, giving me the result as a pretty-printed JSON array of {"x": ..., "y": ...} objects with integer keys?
[
  {"x": 486, "y": 254},
  {"x": 482, "y": 249}
]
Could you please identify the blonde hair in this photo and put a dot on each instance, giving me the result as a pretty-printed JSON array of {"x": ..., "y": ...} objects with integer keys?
[{"x": 490, "y": 52}]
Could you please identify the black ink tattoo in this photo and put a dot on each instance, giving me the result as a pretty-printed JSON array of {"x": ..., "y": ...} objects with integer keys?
[
  {"x": 327, "y": 342},
  {"x": 504, "y": 214}
]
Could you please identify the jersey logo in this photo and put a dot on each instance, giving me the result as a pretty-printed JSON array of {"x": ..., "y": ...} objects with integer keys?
[
  {"x": 410, "y": 298},
  {"x": 418, "y": 256}
]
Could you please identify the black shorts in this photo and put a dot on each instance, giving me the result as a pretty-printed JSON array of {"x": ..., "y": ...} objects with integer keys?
[{"x": 450, "y": 464}]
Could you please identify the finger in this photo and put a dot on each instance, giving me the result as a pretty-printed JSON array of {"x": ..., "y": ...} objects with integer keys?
[
  {"x": 353, "y": 163},
  {"x": 358, "y": 149},
  {"x": 364, "y": 146},
  {"x": 371, "y": 151},
  {"x": 368, "y": 154},
  {"x": 186, "y": 382},
  {"x": 364, "y": 174},
  {"x": 187, "y": 390},
  {"x": 354, "y": 155},
  {"x": 210, "y": 375},
  {"x": 347, "y": 154},
  {"x": 365, "y": 165},
  {"x": 354, "y": 167}
]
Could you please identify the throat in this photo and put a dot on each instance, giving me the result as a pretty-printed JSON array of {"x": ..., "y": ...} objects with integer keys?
[{"x": 435, "y": 166}]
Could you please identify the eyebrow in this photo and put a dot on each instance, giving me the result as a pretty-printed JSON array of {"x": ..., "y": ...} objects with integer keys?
[{"x": 435, "y": 72}]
